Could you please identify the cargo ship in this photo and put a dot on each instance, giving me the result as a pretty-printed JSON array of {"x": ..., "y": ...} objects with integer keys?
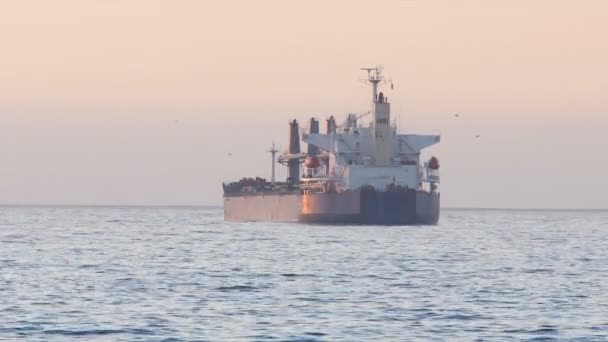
[{"x": 350, "y": 174}]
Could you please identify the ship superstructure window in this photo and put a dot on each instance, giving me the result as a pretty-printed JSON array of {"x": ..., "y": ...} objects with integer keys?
[{"x": 381, "y": 121}]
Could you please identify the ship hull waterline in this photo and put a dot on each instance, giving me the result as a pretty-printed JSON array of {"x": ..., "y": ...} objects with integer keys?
[{"x": 404, "y": 207}]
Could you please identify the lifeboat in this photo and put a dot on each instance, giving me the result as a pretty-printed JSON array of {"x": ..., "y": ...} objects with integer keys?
[
  {"x": 312, "y": 162},
  {"x": 434, "y": 163}
]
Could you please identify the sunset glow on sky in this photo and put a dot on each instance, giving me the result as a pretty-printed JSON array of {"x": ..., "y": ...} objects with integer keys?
[{"x": 141, "y": 101}]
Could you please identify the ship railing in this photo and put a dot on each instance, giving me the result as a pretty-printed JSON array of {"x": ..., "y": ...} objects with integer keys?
[
  {"x": 313, "y": 184},
  {"x": 427, "y": 175},
  {"x": 321, "y": 184}
]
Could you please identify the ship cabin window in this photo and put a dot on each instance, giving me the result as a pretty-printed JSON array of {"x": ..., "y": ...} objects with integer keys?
[{"x": 381, "y": 121}]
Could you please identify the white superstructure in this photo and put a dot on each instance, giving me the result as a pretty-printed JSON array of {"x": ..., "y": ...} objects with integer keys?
[{"x": 375, "y": 155}]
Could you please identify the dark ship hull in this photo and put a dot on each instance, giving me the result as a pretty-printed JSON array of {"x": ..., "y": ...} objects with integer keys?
[{"x": 396, "y": 207}]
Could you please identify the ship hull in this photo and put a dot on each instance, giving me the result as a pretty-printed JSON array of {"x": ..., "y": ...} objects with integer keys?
[{"x": 398, "y": 207}]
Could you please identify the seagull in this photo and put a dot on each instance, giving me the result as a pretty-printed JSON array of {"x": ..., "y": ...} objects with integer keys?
[
  {"x": 477, "y": 136},
  {"x": 456, "y": 115}
]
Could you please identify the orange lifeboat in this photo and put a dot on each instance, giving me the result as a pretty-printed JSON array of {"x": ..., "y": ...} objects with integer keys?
[
  {"x": 312, "y": 162},
  {"x": 434, "y": 163}
]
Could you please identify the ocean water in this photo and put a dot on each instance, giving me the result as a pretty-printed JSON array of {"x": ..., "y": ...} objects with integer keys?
[{"x": 182, "y": 274}]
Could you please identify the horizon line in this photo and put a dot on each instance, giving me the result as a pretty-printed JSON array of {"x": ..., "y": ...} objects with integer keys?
[{"x": 219, "y": 206}]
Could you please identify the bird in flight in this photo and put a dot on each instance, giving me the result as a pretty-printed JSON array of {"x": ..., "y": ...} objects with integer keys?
[{"x": 456, "y": 115}]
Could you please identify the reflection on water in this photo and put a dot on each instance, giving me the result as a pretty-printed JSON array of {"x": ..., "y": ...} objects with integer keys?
[{"x": 182, "y": 274}]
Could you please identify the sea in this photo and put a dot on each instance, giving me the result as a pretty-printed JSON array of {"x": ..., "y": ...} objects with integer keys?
[{"x": 183, "y": 274}]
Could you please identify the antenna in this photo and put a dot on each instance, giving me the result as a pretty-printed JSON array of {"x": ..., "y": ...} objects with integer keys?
[
  {"x": 374, "y": 77},
  {"x": 374, "y": 74},
  {"x": 273, "y": 151}
]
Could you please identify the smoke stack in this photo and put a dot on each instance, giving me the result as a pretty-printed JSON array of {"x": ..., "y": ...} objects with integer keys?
[
  {"x": 331, "y": 125},
  {"x": 294, "y": 148},
  {"x": 314, "y": 129}
]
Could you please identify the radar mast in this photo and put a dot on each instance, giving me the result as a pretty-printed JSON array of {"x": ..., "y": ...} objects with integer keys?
[{"x": 374, "y": 77}]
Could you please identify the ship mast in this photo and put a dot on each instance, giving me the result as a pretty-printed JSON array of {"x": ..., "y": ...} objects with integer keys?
[
  {"x": 381, "y": 112},
  {"x": 273, "y": 152},
  {"x": 374, "y": 77}
]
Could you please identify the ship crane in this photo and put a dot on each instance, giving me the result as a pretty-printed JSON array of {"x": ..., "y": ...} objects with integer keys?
[
  {"x": 273, "y": 152},
  {"x": 354, "y": 117}
]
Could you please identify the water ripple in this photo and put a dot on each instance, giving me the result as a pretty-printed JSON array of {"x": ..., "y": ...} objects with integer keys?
[{"x": 182, "y": 274}]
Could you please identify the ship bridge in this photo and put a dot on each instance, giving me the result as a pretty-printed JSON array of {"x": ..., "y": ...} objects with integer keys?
[{"x": 375, "y": 155}]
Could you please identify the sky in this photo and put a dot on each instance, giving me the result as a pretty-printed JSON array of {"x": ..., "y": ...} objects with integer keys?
[{"x": 140, "y": 102}]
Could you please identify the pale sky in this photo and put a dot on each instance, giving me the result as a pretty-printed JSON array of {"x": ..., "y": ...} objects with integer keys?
[{"x": 140, "y": 101}]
